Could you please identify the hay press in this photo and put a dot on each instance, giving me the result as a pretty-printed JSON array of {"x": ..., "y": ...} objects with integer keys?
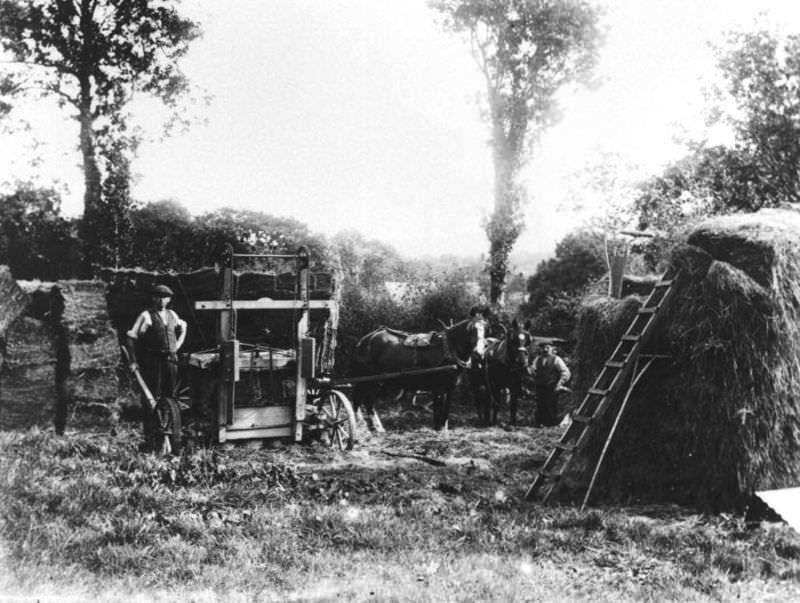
[{"x": 286, "y": 399}]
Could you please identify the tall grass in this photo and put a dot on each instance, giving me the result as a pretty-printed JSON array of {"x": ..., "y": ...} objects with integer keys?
[{"x": 88, "y": 512}]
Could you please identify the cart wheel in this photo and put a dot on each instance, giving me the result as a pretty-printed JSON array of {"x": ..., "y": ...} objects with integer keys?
[
  {"x": 335, "y": 414},
  {"x": 167, "y": 426}
]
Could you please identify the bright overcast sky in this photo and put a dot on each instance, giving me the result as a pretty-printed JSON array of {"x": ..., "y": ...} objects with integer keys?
[{"x": 360, "y": 114}]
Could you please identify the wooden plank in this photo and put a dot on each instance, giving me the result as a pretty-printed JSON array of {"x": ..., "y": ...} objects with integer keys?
[
  {"x": 260, "y": 433},
  {"x": 260, "y": 417},
  {"x": 264, "y": 304},
  {"x": 396, "y": 375}
]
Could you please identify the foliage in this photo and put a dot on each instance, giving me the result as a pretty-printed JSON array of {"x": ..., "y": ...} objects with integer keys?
[
  {"x": 161, "y": 235},
  {"x": 578, "y": 261},
  {"x": 368, "y": 264},
  {"x": 93, "y": 57},
  {"x": 759, "y": 99},
  {"x": 35, "y": 241},
  {"x": 762, "y": 74},
  {"x": 527, "y": 51}
]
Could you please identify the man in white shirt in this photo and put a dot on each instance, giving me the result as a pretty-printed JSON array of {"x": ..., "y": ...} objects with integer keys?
[
  {"x": 159, "y": 333},
  {"x": 550, "y": 376}
]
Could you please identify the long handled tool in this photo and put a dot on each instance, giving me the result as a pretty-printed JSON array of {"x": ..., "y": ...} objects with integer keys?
[{"x": 166, "y": 447}]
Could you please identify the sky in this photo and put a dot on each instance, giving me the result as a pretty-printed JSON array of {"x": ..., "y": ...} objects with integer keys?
[{"x": 361, "y": 114}]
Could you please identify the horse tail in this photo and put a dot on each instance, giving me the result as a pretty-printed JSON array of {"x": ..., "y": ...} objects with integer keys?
[{"x": 363, "y": 346}]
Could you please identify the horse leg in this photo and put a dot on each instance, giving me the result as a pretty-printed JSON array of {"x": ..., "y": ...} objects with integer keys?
[
  {"x": 498, "y": 400},
  {"x": 375, "y": 420},
  {"x": 438, "y": 409},
  {"x": 514, "y": 392},
  {"x": 482, "y": 394},
  {"x": 446, "y": 395},
  {"x": 364, "y": 396},
  {"x": 441, "y": 408}
]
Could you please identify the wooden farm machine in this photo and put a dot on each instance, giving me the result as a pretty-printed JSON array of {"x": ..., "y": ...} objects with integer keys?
[{"x": 255, "y": 391}]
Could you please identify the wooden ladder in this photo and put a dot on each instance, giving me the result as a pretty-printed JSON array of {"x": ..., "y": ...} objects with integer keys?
[{"x": 623, "y": 363}]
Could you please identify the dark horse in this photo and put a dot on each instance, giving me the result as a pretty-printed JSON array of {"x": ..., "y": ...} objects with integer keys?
[
  {"x": 507, "y": 362},
  {"x": 387, "y": 351}
]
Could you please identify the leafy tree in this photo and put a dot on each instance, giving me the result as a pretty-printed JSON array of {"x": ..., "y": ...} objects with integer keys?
[
  {"x": 251, "y": 232},
  {"x": 578, "y": 261},
  {"x": 762, "y": 77},
  {"x": 761, "y": 80},
  {"x": 93, "y": 56},
  {"x": 161, "y": 235},
  {"x": 527, "y": 51},
  {"x": 369, "y": 264},
  {"x": 35, "y": 241}
]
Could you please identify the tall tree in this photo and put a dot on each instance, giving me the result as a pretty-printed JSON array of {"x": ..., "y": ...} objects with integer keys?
[
  {"x": 527, "y": 51},
  {"x": 762, "y": 77},
  {"x": 759, "y": 99},
  {"x": 93, "y": 56}
]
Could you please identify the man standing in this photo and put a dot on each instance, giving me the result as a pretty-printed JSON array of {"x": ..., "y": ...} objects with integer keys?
[
  {"x": 550, "y": 376},
  {"x": 160, "y": 334}
]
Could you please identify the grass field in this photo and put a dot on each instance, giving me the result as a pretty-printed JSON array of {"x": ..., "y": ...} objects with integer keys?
[{"x": 413, "y": 515}]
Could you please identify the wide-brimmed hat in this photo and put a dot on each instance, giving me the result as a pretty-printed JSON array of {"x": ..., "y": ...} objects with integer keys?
[{"x": 162, "y": 291}]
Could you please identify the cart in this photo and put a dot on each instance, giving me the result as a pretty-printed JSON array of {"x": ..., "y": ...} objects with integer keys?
[{"x": 260, "y": 392}]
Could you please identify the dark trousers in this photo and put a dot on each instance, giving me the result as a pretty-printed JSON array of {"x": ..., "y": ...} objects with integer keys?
[
  {"x": 160, "y": 373},
  {"x": 546, "y": 405}
]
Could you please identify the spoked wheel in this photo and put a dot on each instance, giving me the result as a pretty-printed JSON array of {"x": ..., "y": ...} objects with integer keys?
[
  {"x": 167, "y": 427},
  {"x": 336, "y": 419}
]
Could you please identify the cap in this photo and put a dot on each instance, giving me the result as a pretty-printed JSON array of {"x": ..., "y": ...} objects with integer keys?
[
  {"x": 478, "y": 310},
  {"x": 162, "y": 291}
]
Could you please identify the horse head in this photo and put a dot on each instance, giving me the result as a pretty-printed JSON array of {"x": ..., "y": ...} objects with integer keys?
[
  {"x": 519, "y": 345},
  {"x": 466, "y": 343}
]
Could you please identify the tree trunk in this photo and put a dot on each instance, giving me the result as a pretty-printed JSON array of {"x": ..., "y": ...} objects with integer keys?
[
  {"x": 91, "y": 171},
  {"x": 505, "y": 224}
]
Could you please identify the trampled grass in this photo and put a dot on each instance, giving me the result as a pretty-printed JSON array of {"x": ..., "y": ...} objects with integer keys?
[{"x": 85, "y": 516}]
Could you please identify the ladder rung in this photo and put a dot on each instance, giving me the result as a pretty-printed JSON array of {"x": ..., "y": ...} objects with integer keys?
[
  {"x": 631, "y": 337},
  {"x": 597, "y": 392},
  {"x": 614, "y": 364},
  {"x": 666, "y": 283},
  {"x": 582, "y": 419},
  {"x": 566, "y": 447},
  {"x": 647, "y": 310}
]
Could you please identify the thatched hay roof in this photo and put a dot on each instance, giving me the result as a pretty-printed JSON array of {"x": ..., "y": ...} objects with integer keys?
[{"x": 722, "y": 419}]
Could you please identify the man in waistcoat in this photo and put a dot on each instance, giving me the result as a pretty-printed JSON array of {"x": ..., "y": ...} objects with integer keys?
[
  {"x": 159, "y": 332},
  {"x": 550, "y": 376}
]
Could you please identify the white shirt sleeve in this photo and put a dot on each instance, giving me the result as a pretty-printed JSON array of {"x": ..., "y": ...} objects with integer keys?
[
  {"x": 182, "y": 329},
  {"x": 140, "y": 326}
]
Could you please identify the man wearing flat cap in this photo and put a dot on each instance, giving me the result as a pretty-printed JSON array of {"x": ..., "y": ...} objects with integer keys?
[{"x": 160, "y": 333}]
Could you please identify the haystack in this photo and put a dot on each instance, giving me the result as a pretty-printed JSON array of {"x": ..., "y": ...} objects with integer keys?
[
  {"x": 62, "y": 350},
  {"x": 721, "y": 419},
  {"x": 91, "y": 345},
  {"x": 12, "y": 302},
  {"x": 28, "y": 376}
]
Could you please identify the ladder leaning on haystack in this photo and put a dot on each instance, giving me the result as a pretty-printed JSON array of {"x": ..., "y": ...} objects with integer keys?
[{"x": 624, "y": 366}]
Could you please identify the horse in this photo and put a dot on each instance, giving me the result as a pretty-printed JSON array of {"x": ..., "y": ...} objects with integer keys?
[
  {"x": 386, "y": 350},
  {"x": 506, "y": 364}
]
